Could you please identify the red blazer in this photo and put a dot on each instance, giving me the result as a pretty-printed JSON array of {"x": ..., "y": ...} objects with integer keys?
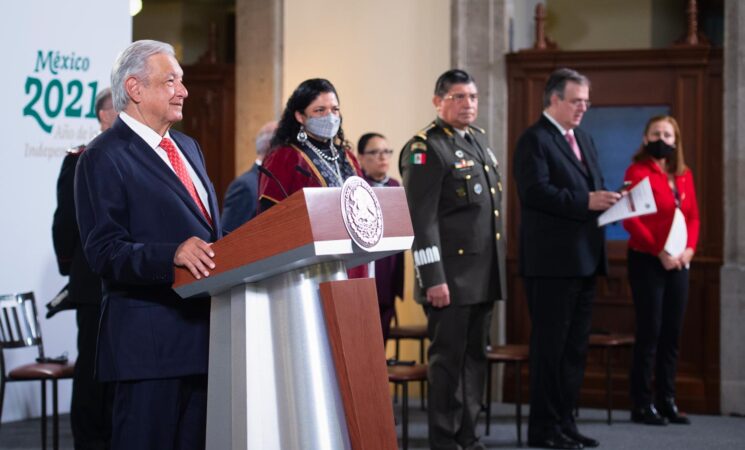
[
  {"x": 649, "y": 233},
  {"x": 282, "y": 162}
]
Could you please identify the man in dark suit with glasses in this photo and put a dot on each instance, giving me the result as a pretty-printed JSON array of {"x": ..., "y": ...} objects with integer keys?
[{"x": 562, "y": 250}]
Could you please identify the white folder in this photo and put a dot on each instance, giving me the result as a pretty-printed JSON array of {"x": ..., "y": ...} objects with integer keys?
[{"x": 677, "y": 239}]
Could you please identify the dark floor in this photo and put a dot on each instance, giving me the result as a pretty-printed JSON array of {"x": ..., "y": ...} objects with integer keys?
[
  {"x": 26, "y": 434},
  {"x": 706, "y": 432}
]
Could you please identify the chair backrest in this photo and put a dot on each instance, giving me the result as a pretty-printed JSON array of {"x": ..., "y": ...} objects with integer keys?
[{"x": 19, "y": 325}]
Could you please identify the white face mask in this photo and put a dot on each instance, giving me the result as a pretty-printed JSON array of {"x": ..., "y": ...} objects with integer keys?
[{"x": 324, "y": 127}]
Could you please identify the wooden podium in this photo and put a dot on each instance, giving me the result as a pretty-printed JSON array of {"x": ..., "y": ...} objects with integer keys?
[{"x": 296, "y": 350}]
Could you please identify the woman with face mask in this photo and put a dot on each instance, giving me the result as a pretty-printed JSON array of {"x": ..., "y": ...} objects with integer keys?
[
  {"x": 308, "y": 149},
  {"x": 658, "y": 269}
]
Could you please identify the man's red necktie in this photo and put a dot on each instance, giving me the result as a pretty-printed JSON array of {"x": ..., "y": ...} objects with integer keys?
[{"x": 183, "y": 175}]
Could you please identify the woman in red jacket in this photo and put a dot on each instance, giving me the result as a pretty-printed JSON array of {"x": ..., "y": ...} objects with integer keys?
[{"x": 659, "y": 279}]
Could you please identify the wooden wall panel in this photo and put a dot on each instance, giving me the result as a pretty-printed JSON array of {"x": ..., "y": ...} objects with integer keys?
[
  {"x": 689, "y": 81},
  {"x": 209, "y": 117}
]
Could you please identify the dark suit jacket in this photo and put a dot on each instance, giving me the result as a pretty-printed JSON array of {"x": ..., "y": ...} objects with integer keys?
[
  {"x": 240, "y": 200},
  {"x": 84, "y": 286},
  {"x": 559, "y": 235},
  {"x": 133, "y": 213}
]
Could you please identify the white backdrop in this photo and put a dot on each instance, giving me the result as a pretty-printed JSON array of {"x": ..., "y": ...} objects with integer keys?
[{"x": 58, "y": 55}]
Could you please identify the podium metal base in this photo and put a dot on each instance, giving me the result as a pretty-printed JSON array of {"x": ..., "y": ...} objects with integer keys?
[{"x": 272, "y": 383}]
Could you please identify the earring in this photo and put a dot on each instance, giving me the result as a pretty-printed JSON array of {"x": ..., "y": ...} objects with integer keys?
[{"x": 301, "y": 135}]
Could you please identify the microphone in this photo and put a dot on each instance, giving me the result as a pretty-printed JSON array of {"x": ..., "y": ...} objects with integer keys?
[
  {"x": 266, "y": 172},
  {"x": 302, "y": 171}
]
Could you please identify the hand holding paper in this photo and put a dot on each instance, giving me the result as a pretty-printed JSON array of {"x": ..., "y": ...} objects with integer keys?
[{"x": 638, "y": 202}]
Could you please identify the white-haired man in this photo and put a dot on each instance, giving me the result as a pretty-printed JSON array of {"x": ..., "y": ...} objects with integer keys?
[{"x": 144, "y": 205}]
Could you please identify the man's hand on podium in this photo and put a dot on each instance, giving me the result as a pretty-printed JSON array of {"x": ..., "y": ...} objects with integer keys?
[{"x": 196, "y": 255}]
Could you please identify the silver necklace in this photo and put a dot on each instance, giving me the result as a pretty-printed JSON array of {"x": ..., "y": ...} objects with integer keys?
[
  {"x": 334, "y": 153},
  {"x": 326, "y": 160}
]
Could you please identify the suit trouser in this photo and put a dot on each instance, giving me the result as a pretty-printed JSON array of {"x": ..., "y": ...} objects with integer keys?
[
  {"x": 457, "y": 368},
  {"x": 161, "y": 414},
  {"x": 92, "y": 401},
  {"x": 660, "y": 298},
  {"x": 560, "y": 314}
]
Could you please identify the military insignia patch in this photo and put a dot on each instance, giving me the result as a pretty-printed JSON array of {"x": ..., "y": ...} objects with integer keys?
[
  {"x": 418, "y": 147},
  {"x": 427, "y": 255},
  {"x": 418, "y": 158},
  {"x": 459, "y": 153}
]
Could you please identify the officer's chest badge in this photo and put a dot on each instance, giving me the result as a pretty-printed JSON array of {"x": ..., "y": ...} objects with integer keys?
[
  {"x": 478, "y": 189},
  {"x": 463, "y": 164},
  {"x": 459, "y": 153}
]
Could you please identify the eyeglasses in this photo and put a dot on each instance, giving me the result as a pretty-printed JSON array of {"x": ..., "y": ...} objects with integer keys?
[
  {"x": 375, "y": 153},
  {"x": 578, "y": 101},
  {"x": 460, "y": 98}
]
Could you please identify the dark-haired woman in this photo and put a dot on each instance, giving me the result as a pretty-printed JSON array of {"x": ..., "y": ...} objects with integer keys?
[
  {"x": 658, "y": 272},
  {"x": 308, "y": 148}
]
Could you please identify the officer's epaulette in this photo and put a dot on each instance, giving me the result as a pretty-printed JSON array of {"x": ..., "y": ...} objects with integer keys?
[
  {"x": 480, "y": 130},
  {"x": 424, "y": 131},
  {"x": 78, "y": 150},
  {"x": 444, "y": 127}
]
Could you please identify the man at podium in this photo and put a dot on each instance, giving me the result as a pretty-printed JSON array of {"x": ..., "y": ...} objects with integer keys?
[
  {"x": 144, "y": 204},
  {"x": 454, "y": 194}
]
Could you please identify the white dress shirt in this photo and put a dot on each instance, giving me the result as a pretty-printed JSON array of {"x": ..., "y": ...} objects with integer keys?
[{"x": 152, "y": 139}]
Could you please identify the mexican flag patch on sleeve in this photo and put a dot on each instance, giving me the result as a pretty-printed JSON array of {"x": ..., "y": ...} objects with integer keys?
[{"x": 419, "y": 158}]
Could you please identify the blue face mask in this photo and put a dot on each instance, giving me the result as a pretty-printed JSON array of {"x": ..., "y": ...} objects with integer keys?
[{"x": 324, "y": 127}]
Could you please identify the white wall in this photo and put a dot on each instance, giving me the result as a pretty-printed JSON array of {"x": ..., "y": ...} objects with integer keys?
[
  {"x": 522, "y": 23},
  {"x": 31, "y": 157}
]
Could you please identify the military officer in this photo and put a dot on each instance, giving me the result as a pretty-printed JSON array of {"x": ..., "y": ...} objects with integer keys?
[{"x": 454, "y": 194}]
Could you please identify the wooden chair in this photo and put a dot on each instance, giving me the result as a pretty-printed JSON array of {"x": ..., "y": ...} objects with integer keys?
[
  {"x": 19, "y": 327},
  {"x": 402, "y": 375},
  {"x": 412, "y": 332},
  {"x": 507, "y": 354},
  {"x": 609, "y": 342}
]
